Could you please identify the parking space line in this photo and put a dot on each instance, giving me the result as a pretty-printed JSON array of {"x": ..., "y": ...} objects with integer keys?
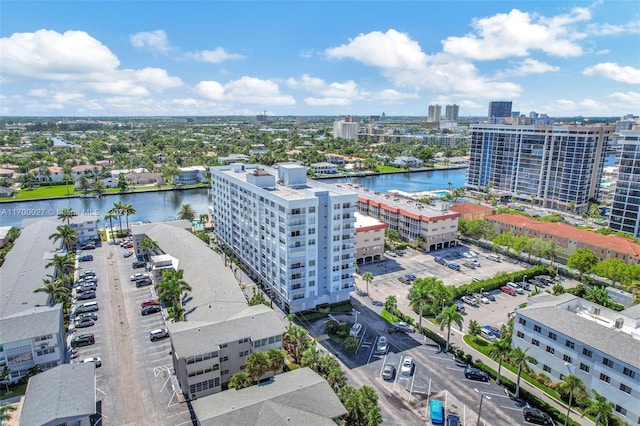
[
  {"x": 178, "y": 414},
  {"x": 514, "y": 409},
  {"x": 158, "y": 360}
]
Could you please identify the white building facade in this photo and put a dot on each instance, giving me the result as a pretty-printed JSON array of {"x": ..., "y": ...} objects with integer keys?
[
  {"x": 296, "y": 236},
  {"x": 346, "y": 130},
  {"x": 625, "y": 209}
]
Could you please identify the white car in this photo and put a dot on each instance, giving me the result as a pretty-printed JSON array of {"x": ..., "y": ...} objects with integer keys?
[
  {"x": 407, "y": 366},
  {"x": 355, "y": 330},
  {"x": 138, "y": 275},
  {"x": 95, "y": 360}
]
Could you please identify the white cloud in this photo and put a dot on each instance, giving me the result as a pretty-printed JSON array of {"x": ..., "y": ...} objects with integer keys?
[
  {"x": 156, "y": 41},
  {"x": 327, "y": 101},
  {"x": 246, "y": 90},
  {"x": 631, "y": 27},
  {"x": 603, "y": 52},
  {"x": 213, "y": 56},
  {"x": 613, "y": 71},
  {"x": 527, "y": 67},
  {"x": 392, "y": 49},
  {"x": 517, "y": 33},
  {"x": 61, "y": 97},
  {"x": 628, "y": 99},
  {"x": 389, "y": 96}
]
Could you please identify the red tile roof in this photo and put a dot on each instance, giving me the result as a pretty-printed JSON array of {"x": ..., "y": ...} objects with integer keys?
[
  {"x": 463, "y": 207},
  {"x": 614, "y": 243}
]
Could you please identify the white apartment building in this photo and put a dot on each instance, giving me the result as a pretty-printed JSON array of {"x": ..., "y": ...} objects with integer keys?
[
  {"x": 434, "y": 114},
  {"x": 295, "y": 235},
  {"x": 191, "y": 174},
  {"x": 369, "y": 239},
  {"x": 625, "y": 209},
  {"x": 432, "y": 227},
  {"x": 569, "y": 335},
  {"x": 86, "y": 225},
  {"x": 557, "y": 167},
  {"x": 345, "y": 130}
]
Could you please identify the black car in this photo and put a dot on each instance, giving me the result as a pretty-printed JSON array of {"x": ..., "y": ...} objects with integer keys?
[
  {"x": 533, "y": 415},
  {"x": 141, "y": 282},
  {"x": 83, "y": 340},
  {"x": 476, "y": 374},
  {"x": 85, "y": 258},
  {"x": 453, "y": 420},
  {"x": 138, "y": 264},
  {"x": 152, "y": 309},
  {"x": 86, "y": 295}
]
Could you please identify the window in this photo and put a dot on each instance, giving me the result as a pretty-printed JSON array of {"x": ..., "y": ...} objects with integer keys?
[
  {"x": 537, "y": 328},
  {"x": 607, "y": 362},
  {"x": 535, "y": 342},
  {"x": 552, "y": 335},
  {"x": 567, "y": 358},
  {"x": 522, "y": 321},
  {"x": 570, "y": 344},
  {"x": 584, "y": 367},
  {"x": 625, "y": 388},
  {"x": 520, "y": 334},
  {"x": 224, "y": 359},
  {"x": 551, "y": 350},
  {"x": 605, "y": 378},
  {"x": 587, "y": 352},
  {"x": 628, "y": 372},
  {"x": 621, "y": 410},
  {"x": 546, "y": 368}
]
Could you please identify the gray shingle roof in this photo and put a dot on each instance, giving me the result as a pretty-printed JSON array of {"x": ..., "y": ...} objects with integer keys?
[
  {"x": 24, "y": 267},
  {"x": 299, "y": 397},
  {"x": 632, "y": 312},
  {"x": 31, "y": 322},
  {"x": 215, "y": 295},
  {"x": 194, "y": 338},
  {"x": 619, "y": 345},
  {"x": 64, "y": 394}
]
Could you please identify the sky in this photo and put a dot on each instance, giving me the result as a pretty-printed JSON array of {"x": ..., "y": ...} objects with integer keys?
[{"x": 211, "y": 58}]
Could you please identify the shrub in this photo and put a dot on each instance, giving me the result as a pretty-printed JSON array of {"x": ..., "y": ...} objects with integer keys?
[
  {"x": 350, "y": 345},
  {"x": 332, "y": 326}
]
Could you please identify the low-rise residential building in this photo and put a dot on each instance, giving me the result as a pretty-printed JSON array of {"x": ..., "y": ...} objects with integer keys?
[
  {"x": 234, "y": 158},
  {"x": 404, "y": 161},
  {"x": 65, "y": 395},
  {"x": 191, "y": 174},
  {"x": 369, "y": 239},
  {"x": 569, "y": 335},
  {"x": 324, "y": 168},
  {"x": 299, "y": 397},
  {"x": 568, "y": 238},
  {"x": 86, "y": 225},
  {"x": 432, "y": 227},
  {"x": 83, "y": 170},
  {"x": 51, "y": 173},
  {"x": 471, "y": 211}
]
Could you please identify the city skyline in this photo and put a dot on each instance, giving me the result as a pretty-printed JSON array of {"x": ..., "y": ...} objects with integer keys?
[{"x": 317, "y": 58}]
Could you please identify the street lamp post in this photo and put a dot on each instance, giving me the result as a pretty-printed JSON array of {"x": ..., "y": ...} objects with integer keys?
[
  {"x": 482, "y": 396},
  {"x": 356, "y": 312},
  {"x": 524, "y": 279}
]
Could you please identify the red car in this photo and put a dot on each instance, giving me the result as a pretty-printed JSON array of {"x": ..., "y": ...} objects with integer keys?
[
  {"x": 150, "y": 302},
  {"x": 128, "y": 245},
  {"x": 508, "y": 290}
]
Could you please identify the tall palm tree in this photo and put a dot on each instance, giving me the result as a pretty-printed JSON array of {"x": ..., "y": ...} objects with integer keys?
[
  {"x": 57, "y": 290},
  {"x": 519, "y": 359},
  {"x": 109, "y": 217},
  {"x": 297, "y": 340},
  {"x": 419, "y": 296},
  {"x": 118, "y": 211},
  {"x": 64, "y": 265},
  {"x": 391, "y": 304},
  {"x": 68, "y": 236},
  {"x": 66, "y": 214},
  {"x": 599, "y": 407},
  {"x": 500, "y": 349},
  {"x": 257, "y": 364},
  {"x": 276, "y": 359},
  {"x": 5, "y": 412},
  {"x": 571, "y": 384},
  {"x": 171, "y": 287},
  {"x": 367, "y": 277},
  {"x": 447, "y": 318},
  {"x": 204, "y": 218},
  {"x": 187, "y": 212},
  {"x": 240, "y": 380},
  {"x": 128, "y": 210},
  {"x": 148, "y": 245}
]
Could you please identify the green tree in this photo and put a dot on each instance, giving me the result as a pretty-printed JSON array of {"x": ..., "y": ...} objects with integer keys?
[
  {"x": 419, "y": 297},
  {"x": 118, "y": 211},
  {"x": 392, "y": 236},
  {"x": 257, "y": 364},
  {"x": 296, "y": 341},
  {"x": 5, "y": 376},
  {"x": 447, "y": 318},
  {"x": 170, "y": 289},
  {"x": 109, "y": 217},
  {"x": 367, "y": 277},
  {"x": 391, "y": 304},
  {"x": 148, "y": 245},
  {"x": 123, "y": 185},
  {"x": 506, "y": 239},
  {"x": 66, "y": 214},
  {"x": 519, "y": 359},
  {"x": 474, "y": 328},
  {"x": 5, "y": 412},
  {"x": 599, "y": 407},
  {"x": 98, "y": 188},
  {"x": 557, "y": 289},
  {"x": 583, "y": 260},
  {"x": 128, "y": 210},
  {"x": 63, "y": 265},
  {"x": 500, "y": 349},
  {"x": 68, "y": 236},
  {"x": 599, "y": 295},
  {"x": 258, "y": 298},
  {"x": 276, "y": 359},
  {"x": 477, "y": 229},
  {"x": 615, "y": 270},
  {"x": 240, "y": 380},
  {"x": 570, "y": 384},
  {"x": 56, "y": 289},
  {"x": 187, "y": 212},
  {"x": 362, "y": 406}
]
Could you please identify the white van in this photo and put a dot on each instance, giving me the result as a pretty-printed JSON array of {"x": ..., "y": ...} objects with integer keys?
[
  {"x": 87, "y": 307},
  {"x": 158, "y": 334},
  {"x": 493, "y": 257},
  {"x": 515, "y": 287}
]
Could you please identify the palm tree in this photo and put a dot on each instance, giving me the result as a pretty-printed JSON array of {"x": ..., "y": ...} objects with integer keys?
[
  {"x": 64, "y": 265},
  {"x": 391, "y": 304},
  {"x": 5, "y": 376},
  {"x": 5, "y": 412},
  {"x": 500, "y": 349},
  {"x": 276, "y": 359},
  {"x": 297, "y": 339},
  {"x": 240, "y": 380},
  {"x": 68, "y": 236},
  {"x": 367, "y": 277},
  {"x": 571, "y": 384},
  {"x": 447, "y": 318},
  {"x": 257, "y": 364},
  {"x": 599, "y": 407},
  {"x": 419, "y": 296},
  {"x": 336, "y": 377},
  {"x": 97, "y": 187},
  {"x": 148, "y": 245},
  {"x": 187, "y": 212},
  {"x": 66, "y": 214},
  {"x": 171, "y": 287},
  {"x": 118, "y": 211},
  {"x": 57, "y": 290},
  {"x": 128, "y": 210},
  {"x": 109, "y": 217},
  {"x": 519, "y": 358},
  {"x": 204, "y": 218}
]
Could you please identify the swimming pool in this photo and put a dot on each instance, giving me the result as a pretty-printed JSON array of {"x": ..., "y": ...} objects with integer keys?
[{"x": 441, "y": 193}]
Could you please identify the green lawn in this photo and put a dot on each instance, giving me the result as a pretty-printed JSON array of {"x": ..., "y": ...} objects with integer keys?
[
  {"x": 386, "y": 169},
  {"x": 14, "y": 390}
]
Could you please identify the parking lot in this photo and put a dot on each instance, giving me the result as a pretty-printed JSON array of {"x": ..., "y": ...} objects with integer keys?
[{"x": 135, "y": 380}]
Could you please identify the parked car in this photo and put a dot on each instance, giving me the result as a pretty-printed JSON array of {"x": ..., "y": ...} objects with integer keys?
[
  {"x": 401, "y": 326},
  {"x": 410, "y": 277},
  {"x": 491, "y": 330},
  {"x": 453, "y": 420},
  {"x": 158, "y": 334},
  {"x": 149, "y": 302},
  {"x": 475, "y": 263},
  {"x": 407, "y": 366},
  {"x": 83, "y": 340},
  {"x": 89, "y": 315},
  {"x": 86, "y": 280},
  {"x": 469, "y": 300},
  {"x": 355, "y": 330},
  {"x": 493, "y": 257},
  {"x": 86, "y": 307},
  {"x": 440, "y": 260},
  {"x": 84, "y": 274},
  {"x": 508, "y": 290},
  {"x": 86, "y": 295},
  {"x": 489, "y": 296},
  {"x": 86, "y": 287},
  {"x": 460, "y": 307},
  {"x": 476, "y": 279},
  {"x": 138, "y": 275},
  {"x": 515, "y": 287},
  {"x": 94, "y": 359},
  {"x": 533, "y": 415},
  {"x": 88, "y": 247},
  {"x": 482, "y": 298},
  {"x": 84, "y": 323},
  {"x": 473, "y": 373},
  {"x": 404, "y": 280},
  {"x": 382, "y": 346},
  {"x": 138, "y": 264},
  {"x": 150, "y": 310},
  {"x": 128, "y": 253},
  {"x": 145, "y": 281},
  {"x": 454, "y": 266},
  {"x": 85, "y": 258},
  {"x": 127, "y": 245},
  {"x": 388, "y": 372}
]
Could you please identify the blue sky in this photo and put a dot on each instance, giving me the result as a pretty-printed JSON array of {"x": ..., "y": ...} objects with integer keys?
[{"x": 114, "y": 58}]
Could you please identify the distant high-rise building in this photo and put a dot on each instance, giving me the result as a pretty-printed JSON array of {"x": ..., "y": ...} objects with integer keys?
[
  {"x": 499, "y": 110},
  {"x": 346, "y": 129},
  {"x": 451, "y": 112},
  {"x": 625, "y": 209},
  {"x": 262, "y": 118},
  {"x": 435, "y": 113},
  {"x": 557, "y": 167}
]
